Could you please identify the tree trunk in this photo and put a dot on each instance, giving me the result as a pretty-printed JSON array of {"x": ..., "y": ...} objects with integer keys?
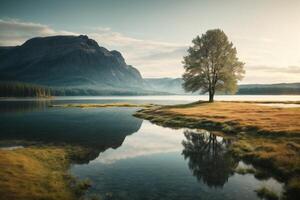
[{"x": 211, "y": 96}]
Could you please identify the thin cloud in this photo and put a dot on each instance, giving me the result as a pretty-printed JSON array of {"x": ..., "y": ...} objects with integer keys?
[
  {"x": 270, "y": 74},
  {"x": 146, "y": 55},
  {"x": 179, "y": 52},
  {"x": 14, "y": 32},
  {"x": 115, "y": 39},
  {"x": 289, "y": 69},
  {"x": 152, "y": 58}
]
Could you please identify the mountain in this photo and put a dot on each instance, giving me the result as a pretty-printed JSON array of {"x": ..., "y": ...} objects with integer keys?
[
  {"x": 171, "y": 85},
  {"x": 4, "y": 49},
  {"x": 68, "y": 61}
]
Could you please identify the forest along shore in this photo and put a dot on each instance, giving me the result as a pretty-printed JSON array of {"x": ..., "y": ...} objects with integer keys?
[{"x": 268, "y": 137}]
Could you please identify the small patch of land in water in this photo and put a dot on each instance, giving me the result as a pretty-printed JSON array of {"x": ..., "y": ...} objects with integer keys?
[
  {"x": 41, "y": 172},
  {"x": 268, "y": 137},
  {"x": 107, "y": 105}
]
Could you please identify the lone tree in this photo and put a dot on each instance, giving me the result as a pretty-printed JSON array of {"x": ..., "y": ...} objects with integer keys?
[{"x": 212, "y": 65}]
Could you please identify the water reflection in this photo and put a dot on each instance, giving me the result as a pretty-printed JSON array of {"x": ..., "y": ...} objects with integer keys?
[
  {"x": 140, "y": 160},
  {"x": 23, "y": 106},
  {"x": 98, "y": 129},
  {"x": 208, "y": 158},
  {"x": 156, "y": 163},
  {"x": 149, "y": 140}
]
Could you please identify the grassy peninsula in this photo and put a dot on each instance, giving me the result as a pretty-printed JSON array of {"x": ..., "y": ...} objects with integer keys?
[{"x": 268, "y": 137}]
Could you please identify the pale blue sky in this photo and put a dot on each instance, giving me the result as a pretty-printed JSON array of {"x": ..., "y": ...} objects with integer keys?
[{"x": 153, "y": 35}]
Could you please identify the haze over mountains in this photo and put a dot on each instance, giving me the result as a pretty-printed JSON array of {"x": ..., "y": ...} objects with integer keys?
[
  {"x": 68, "y": 61},
  {"x": 79, "y": 63},
  {"x": 173, "y": 85}
]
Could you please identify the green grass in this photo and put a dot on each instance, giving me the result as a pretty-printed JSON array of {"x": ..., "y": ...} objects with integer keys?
[
  {"x": 292, "y": 188},
  {"x": 267, "y": 194},
  {"x": 40, "y": 172},
  {"x": 243, "y": 171}
]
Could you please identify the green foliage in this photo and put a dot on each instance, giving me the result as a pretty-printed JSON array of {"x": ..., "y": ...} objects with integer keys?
[
  {"x": 212, "y": 64},
  {"x": 81, "y": 186},
  {"x": 293, "y": 188},
  {"x": 243, "y": 171},
  {"x": 267, "y": 194},
  {"x": 227, "y": 129},
  {"x": 44, "y": 170}
]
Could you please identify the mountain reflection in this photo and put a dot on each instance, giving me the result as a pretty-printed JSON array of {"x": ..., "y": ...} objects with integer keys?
[
  {"x": 208, "y": 158},
  {"x": 98, "y": 129}
]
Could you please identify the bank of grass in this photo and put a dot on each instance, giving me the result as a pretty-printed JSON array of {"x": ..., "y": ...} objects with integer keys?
[
  {"x": 106, "y": 105},
  {"x": 241, "y": 170},
  {"x": 40, "y": 172},
  {"x": 268, "y": 137},
  {"x": 229, "y": 117},
  {"x": 267, "y": 194}
]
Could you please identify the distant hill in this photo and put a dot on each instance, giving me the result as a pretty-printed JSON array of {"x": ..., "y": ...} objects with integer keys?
[
  {"x": 173, "y": 85},
  {"x": 280, "y": 88},
  {"x": 69, "y": 62}
]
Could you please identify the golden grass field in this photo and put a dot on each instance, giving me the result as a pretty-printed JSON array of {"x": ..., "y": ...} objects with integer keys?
[
  {"x": 264, "y": 118},
  {"x": 34, "y": 173}
]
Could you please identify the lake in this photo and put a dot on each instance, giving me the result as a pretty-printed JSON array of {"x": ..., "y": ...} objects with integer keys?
[{"x": 133, "y": 158}]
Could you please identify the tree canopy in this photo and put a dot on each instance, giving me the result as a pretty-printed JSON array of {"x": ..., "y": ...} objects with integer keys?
[{"x": 212, "y": 65}]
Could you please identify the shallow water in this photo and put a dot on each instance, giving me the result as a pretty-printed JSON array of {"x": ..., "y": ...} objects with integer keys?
[
  {"x": 161, "y": 163},
  {"x": 133, "y": 158}
]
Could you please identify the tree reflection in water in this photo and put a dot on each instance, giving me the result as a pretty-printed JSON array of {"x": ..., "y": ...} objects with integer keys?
[{"x": 208, "y": 157}]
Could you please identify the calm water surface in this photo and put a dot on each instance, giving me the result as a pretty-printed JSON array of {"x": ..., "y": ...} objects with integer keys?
[
  {"x": 178, "y": 98},
  {"x": 132, "y": 158}
]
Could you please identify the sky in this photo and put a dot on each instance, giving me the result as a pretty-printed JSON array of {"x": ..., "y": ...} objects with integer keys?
[{"x": 153, "y": 36}]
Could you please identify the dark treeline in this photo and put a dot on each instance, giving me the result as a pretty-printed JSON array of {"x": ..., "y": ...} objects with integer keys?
[
  {"x": 18, "y": 89},
  {"x": 60, "y": 91},
  {"x": 270, "y": 91}
]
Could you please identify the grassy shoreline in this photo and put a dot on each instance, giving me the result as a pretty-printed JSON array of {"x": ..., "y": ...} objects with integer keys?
[
  {"x": 41, "y": 172},
  {"x": 229, "y": 117},
  {"x": 268, "y": 137}
]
